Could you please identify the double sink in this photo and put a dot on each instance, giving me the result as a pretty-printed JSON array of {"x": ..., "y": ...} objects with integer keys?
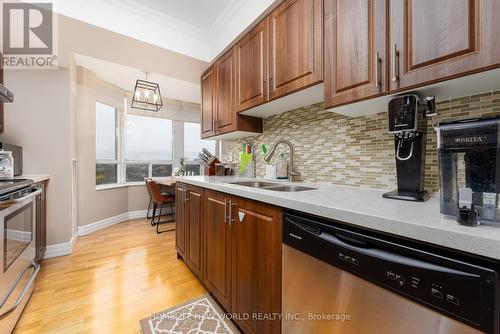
[{"x": 271, "y": 186}]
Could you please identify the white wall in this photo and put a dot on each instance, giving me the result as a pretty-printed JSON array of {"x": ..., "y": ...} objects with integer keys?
[{"x": 40, "y": 121}]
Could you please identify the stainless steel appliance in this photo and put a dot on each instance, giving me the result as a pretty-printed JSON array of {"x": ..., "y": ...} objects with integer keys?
[
  {"x": 407, "y": 122},
  {"x": 345, "y": 280},
  {"x": 6, "y": 95},
  {"x": 17, "y": 248},
  {"x": 469, "y": 169},
  {"x": 17, "y": 154}
]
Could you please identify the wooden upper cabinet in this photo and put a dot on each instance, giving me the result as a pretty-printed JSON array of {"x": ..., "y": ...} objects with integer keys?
[
  {"x": 225, "y": 107},
  {"x": 296, "y": 46},
  {"x": 208, "y": 103},
  {"x": 217, "y": 238},
  {"x": 355, "y": 50},
  {"x": 252, "y": 68},
  {"x": 435, "y": 40}
]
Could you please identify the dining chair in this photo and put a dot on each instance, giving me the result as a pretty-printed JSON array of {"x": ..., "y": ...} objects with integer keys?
[{"x": 159, "y": 201}]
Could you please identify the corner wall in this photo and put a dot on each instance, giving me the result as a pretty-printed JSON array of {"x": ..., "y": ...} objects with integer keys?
[
  {"x": 40, "y": 121},
  {"x": 98, "y": 205}
]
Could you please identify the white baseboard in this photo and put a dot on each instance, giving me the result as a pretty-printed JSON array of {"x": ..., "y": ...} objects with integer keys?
[
  {"x": 18, "y": 235},
  {"x": 99, "y": 225},
  {"x": 66, "y": 248},
  {"x": 61, "y": 249}
]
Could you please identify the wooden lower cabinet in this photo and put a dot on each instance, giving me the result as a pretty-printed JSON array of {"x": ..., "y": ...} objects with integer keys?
[
  {"x": 194, "y": 236},
  {"x": 256, "y": 269},
  {"x": 233, "y": 245},
  {"x": 189, "y": 227},
  {"x": 180, "y": 219},
  {"x": 217, "y": 247}
]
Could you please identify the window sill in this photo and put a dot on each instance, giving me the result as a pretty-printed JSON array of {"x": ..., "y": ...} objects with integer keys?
[{"x": 119, "y": 185}]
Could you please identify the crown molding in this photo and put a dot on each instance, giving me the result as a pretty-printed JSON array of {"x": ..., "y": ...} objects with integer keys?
[
  {"x": 221, "y": 22},
  {"x": 134, "y": 6}
]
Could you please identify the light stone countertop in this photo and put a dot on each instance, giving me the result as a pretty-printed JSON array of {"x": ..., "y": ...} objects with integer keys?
[
  {"x": 367, "y": 208},
  {"x": 35, "y": 177}
]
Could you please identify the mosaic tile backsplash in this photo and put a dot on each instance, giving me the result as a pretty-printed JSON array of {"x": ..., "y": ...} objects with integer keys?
[{"x": 357, "y": 151}]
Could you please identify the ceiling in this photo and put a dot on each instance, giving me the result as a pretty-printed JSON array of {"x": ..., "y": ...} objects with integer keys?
[
  {"x": 200, "y": 29},
  {"x": 125, "y": 77}
]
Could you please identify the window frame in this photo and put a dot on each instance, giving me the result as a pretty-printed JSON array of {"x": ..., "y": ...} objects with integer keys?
[
  {"x": 118, "y": 136},
  {"x": 177, "y": 149}
]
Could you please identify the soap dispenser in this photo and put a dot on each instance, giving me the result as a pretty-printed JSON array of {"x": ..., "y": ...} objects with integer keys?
[{"x": 282, "y": 167}]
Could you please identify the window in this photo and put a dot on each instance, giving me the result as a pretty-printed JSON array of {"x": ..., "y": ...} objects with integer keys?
[
  {"x": 148, "y": 147},
  {"x": 106, "y": 144},
  {"x": 136, "y": 172},
  {"x": 161, "y": 170},
  {"x": 193, "y": 143},
  {"x": 148, "y": 139},
  {"x": 130, "y": 148}
]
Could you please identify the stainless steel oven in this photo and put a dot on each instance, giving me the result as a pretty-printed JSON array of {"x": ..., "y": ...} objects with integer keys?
[{"x": 18, "y": 268}]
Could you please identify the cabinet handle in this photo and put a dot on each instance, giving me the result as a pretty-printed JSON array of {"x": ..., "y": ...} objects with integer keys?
[
  {"x": 377, "y": 70},
  {"x": 395, "y": 64},
  {"x": 231, "y": 204},
  {"x": 226, "y": 216}
]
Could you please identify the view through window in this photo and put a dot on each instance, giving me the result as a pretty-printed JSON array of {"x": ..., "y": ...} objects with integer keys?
[
  {"x": 148, "y": 148},
  {"x": 106, "y": 144},
  {"x": 193, "y": 144}
]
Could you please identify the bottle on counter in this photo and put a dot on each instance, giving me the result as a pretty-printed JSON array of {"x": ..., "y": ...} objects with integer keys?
[{"x": 282, "y": 167}]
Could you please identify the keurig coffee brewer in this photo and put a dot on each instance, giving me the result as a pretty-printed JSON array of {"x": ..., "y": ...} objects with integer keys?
[
  {"x": 469, "y": 169},
  {"x": 407, "y": 122}
]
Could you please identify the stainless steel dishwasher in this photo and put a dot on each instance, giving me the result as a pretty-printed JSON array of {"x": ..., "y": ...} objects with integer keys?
[{"x": 341, "y": 279}]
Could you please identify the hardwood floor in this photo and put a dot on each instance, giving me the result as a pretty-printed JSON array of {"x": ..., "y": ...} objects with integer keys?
[{"x": 114, "y": 278}]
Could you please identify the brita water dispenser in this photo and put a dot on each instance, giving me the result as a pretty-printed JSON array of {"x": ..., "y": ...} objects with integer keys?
[{"x": 469, "y": 169}]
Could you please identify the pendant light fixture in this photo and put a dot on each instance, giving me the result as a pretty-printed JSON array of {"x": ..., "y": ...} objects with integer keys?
[{"x": 147, "y": 95}]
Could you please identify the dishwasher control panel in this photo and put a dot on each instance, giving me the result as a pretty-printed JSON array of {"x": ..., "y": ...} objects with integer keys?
[{"x": 457, "y": 289}]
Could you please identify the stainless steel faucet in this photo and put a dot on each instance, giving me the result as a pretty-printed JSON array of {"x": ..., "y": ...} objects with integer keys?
[{"x": 291, "y": 172}]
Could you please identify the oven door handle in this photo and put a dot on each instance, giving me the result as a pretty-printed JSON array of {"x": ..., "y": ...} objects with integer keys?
[
  {"x": 10, "y": 202},
  {"x": 19, "y": 299}
]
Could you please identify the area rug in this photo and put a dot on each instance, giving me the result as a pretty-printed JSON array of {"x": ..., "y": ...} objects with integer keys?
[{"x": 200, "y": 315}]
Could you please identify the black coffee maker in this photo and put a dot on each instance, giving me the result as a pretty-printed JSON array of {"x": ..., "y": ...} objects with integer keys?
[{"x": 408, "y": 124}]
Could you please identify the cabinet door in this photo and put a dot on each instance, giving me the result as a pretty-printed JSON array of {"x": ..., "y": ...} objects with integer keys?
[
  {"x": 257, "y": 266},
  {"x": 207, "y": 103},
  {"x": 180, "y": 219},
  {"x": 251, "y": 71},
  {"x": 434, "y": 40},
  {"x": 355, "y": 50},
  {"x": 194, "y": 202},
  {"x": 296, "y": 50},
  {"x": 217, "y": 247},
  {"x": 225, "y": 108}
]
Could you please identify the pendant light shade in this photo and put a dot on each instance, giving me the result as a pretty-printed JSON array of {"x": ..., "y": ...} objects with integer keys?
[{"x": 147, "y": 96}]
